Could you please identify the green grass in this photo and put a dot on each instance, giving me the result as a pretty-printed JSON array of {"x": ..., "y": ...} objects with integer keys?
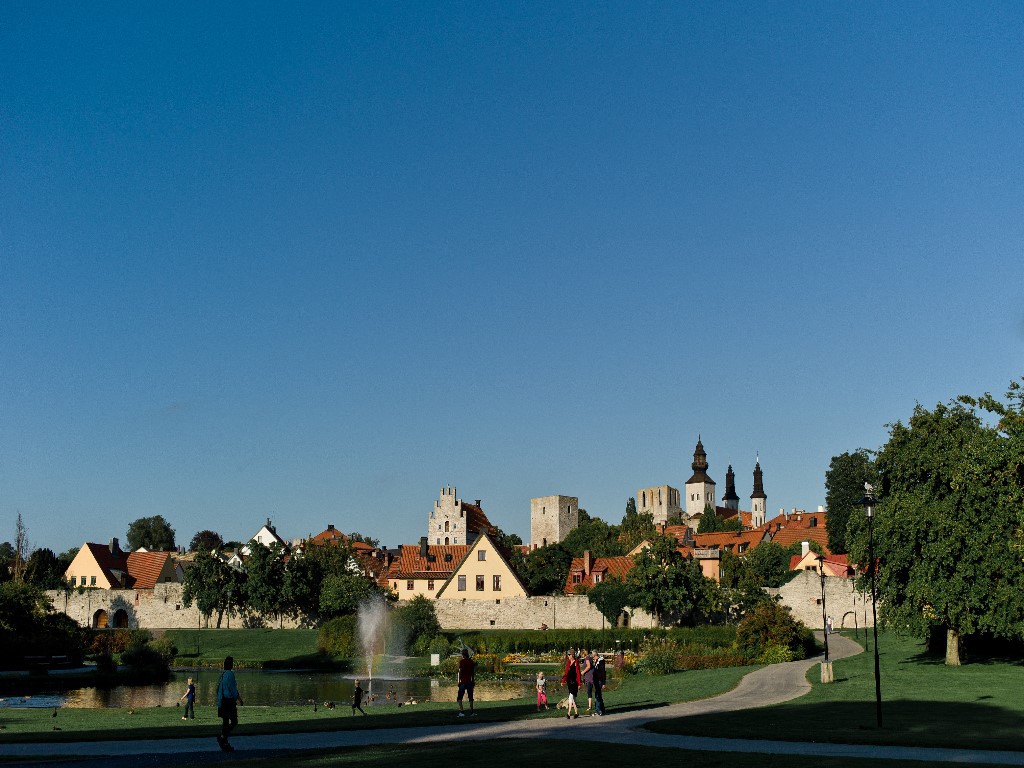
[
  {"x": 636, "y": 692},
  {"x": 538, "y": 752},
  {"x": 924, "y": 704},
  {"x": 250, "y": 647}
]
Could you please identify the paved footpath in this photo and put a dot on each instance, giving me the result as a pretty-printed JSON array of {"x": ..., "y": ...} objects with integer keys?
[{"x": 763, "y": 687}]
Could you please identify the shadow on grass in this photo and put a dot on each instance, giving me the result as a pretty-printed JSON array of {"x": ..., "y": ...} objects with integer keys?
[{"x": 969, "y": 724}]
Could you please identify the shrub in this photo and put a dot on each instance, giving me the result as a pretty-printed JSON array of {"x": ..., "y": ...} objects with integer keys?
[
  {"x": 775, "y": 654},
  {"x": 165, "y": 648},
  {"x": 440, "y": 645},
  {"x": 339, "y": 637},
  {"x": 769, "y": 625},
  {"x": 658, "y": 657}
]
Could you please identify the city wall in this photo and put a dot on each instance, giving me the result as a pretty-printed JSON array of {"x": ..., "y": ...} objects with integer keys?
[
  {"x": 162, "y": 608},
  {"x": 847, "y": 607}
]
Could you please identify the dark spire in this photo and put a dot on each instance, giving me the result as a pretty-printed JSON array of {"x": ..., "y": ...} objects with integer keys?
[
  {"x": 700, "y": 465},
  {"x": 730, "y": 487},
  {"x": 758, "y": 483}
]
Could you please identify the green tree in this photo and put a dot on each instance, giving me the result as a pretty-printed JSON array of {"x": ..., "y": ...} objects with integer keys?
[
  {"x": 6, "y": 561},
  {"x": 768, "y": 563},
  {"x": 418, "y": 618},
  {"x": 356, "y": 536},
  {"x": 844, "y": 488},
  {"x": 208, "y": 541},
  {"x": 945, "y": 523},
  {"x": 630, "y": 508},
  {"x": 635, "y": 528},
  {"x": 44, "y": 570},
  {"x": 342, "y": 593},
  {"x": 546, "y": 569},
  {"x": 154, "y": 533},
  {"x": 611, "y": 597},
  {"x": 307, "y": 576},
  {"x": 263, "y": 587},
  {"x": 669, "y": 586},
  {"x": 710, "y": 522},
  {"x": 209, "y": 583},
  {"x": 595, "y": 536}
]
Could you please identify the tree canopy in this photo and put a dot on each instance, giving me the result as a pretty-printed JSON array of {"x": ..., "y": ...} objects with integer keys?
[
  {"x": 546, "y": 569},
  {"x": 669, "y": 586},
  {"x": 844, "y": 488},
  {"x": 948, "y": 516},
  {"x": 207, "y": 540},
  {"x": 153, "y": 533}
]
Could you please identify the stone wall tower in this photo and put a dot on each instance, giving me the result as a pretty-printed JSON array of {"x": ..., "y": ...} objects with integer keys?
[
  {"x": 552, "y": 518},
  {"x": 730, "y": 500},
  {"x": 447, "y": 523},
  {"x": 700, "y": 489},
  {"x": 758, "y": 499},
  {"x": 660, "y": 502}
]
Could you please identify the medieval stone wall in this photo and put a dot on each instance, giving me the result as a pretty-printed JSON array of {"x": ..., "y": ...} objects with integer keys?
[
  {"x": 847, "y": 607},
  {"x": 562, "y": 612}
]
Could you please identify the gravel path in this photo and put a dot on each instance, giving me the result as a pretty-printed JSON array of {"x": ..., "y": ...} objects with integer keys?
[{"x": 763, "y": 687}]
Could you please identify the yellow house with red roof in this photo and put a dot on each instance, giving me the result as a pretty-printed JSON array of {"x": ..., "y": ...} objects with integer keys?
[
  {"x": 106, "y": 566},
  {"x": 482, "y": 574}
]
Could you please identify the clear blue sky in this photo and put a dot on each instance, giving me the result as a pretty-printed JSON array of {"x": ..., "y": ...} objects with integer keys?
[{"x": 316, "y": 262}]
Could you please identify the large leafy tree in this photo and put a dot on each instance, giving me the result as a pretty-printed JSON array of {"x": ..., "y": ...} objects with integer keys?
[
  {"x": 611, "y": 597},
  {"x": 595, "y": 536},
  {"x": 669, "y": 586},
  {"x": 710, "y": 522},
  {"x": 844, "y": 488},
  {"x": 635, "y": 528},
  {"x": 945, "y": 524},
  {"x": 342, "y": 593},
  {"x": 263, "y": 587},
  {"x": 154, "y": 533},
  {"x": 768, "y": 564},
  {"x": 545, "y": 569},
  {"x": 211, "y": 584},
  {"x": 207, "y": 540},
  {"x": 307, "y": 576},
  {"x": 44, "y": 570}
]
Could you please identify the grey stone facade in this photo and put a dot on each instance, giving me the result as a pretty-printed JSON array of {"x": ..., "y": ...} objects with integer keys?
[
  {"x": 552, "y": 518},
  {"x": 847, "y": 607}
]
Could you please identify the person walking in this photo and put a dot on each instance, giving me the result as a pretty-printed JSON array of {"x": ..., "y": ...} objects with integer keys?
[
  {"x": 571, "y": 678},
  {"x": 357, "y": 698},
  {"x": 587, "y": 671},
  {"x": 542, "y": 693},
  {"x": 189, "y": 697},
  {"x": 600, "y": 677},
  {"x": 228, "y": 701},
  {"x": 467, "y": 680}
]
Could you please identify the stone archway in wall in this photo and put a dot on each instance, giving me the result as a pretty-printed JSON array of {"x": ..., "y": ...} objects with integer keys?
[
  {"x": 99, "y": 619},
  {"x": 121, "y": 619}
]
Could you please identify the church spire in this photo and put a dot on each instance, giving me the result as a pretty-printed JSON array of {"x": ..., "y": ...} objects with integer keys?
[
  {"x": 730, "y": 499},
  {"x": 758, "y": 499},
  {"x": 700, "y": 465},
  {"x": 758, "y": 482}
]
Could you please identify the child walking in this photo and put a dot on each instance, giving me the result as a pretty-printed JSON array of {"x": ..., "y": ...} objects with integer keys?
[
  {"x": 357, "y": 699},
  {"x": 189, "y": 697},
  {"x": 542, "y": 694}
]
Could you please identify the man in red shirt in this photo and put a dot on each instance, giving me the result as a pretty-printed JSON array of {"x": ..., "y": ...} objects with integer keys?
[{"x": 467, "y": 679}]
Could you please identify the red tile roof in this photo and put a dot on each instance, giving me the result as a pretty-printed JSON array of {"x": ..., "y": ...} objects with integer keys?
[
  {"x": 331, "y": 536},
  {"x": 728, "y": 540},
  {"x": 792, "y": 535},
  {"x": 144, "y": 568},
  {"x": 606, "y": 567},
  {"x": 440, "y": 562}
]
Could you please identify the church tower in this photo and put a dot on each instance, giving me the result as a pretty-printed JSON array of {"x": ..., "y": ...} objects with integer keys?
[
  {"x": 758, "y": 499},
  {"x": 730, "y": 500},
  {"x": 700, "y": 489}
]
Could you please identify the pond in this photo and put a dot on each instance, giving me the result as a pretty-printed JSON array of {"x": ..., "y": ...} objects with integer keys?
[{"x": 262, "y": 688}]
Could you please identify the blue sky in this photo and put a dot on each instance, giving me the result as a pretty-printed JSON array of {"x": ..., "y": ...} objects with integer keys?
[{"x": 315, "y": 263}]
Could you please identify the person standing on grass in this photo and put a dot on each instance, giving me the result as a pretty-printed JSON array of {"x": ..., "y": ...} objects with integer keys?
[
  {"x": 587, "y": 672},
  {"x": 571, "y": 678},
  {"x": 542, "y": 693},
  {"x": 228, "y": 702},
  {"x": 600, "y": 677},
  {"x": 357, "y": 699},
  {"x": 189, "y": 697},
  {"x": 467, "y": 680}
]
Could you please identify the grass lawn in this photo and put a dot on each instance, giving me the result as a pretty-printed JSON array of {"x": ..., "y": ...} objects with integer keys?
[
  {"x": 635, "y": 692},
  {"x": 250, "y": 647},
  {"x": 539, "y": 752},
  {"x": 924, "y": 703}
]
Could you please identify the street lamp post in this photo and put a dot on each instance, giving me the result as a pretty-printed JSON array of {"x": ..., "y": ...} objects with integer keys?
[
  {"x": 826, "y": 665},
  {"x": 869, "y": 510},
  {"x": 824, "y": 612}
]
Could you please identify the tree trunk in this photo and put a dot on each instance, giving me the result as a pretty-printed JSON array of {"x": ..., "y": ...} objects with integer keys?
[{"x": 952, "y": 648}]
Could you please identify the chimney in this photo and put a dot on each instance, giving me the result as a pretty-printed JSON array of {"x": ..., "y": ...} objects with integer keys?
[
  {"x": 330, "y": 526},
  {"x": 423, "y": 546},
  {"x": 478, "y": 502},
  {"x": 805, "y": 547},
  {"x": 821, "y": 508},
  {"x": 588, "y": 563},
  {"x": 115, "y": 548}
]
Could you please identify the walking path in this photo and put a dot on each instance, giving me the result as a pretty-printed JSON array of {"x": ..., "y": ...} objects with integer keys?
[{"x": 763, "y": 687}]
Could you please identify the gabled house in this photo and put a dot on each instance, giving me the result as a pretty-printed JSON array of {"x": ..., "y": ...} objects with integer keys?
[
  {"x": 832, "y": 565},
  {"x": 267, "y": 536},
  {"x": 107, "y": 566},
  {"x": 482, "y": 574},
  {"x": 588, "y": 571},
  {"x": 421, "y": 569}
]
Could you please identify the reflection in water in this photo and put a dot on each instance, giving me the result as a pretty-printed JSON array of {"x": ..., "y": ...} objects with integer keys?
[{"x": 271, "y": 689}]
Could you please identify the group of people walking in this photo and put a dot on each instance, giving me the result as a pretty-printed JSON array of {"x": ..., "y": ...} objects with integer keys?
[{"x": 582, "y": 668}]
